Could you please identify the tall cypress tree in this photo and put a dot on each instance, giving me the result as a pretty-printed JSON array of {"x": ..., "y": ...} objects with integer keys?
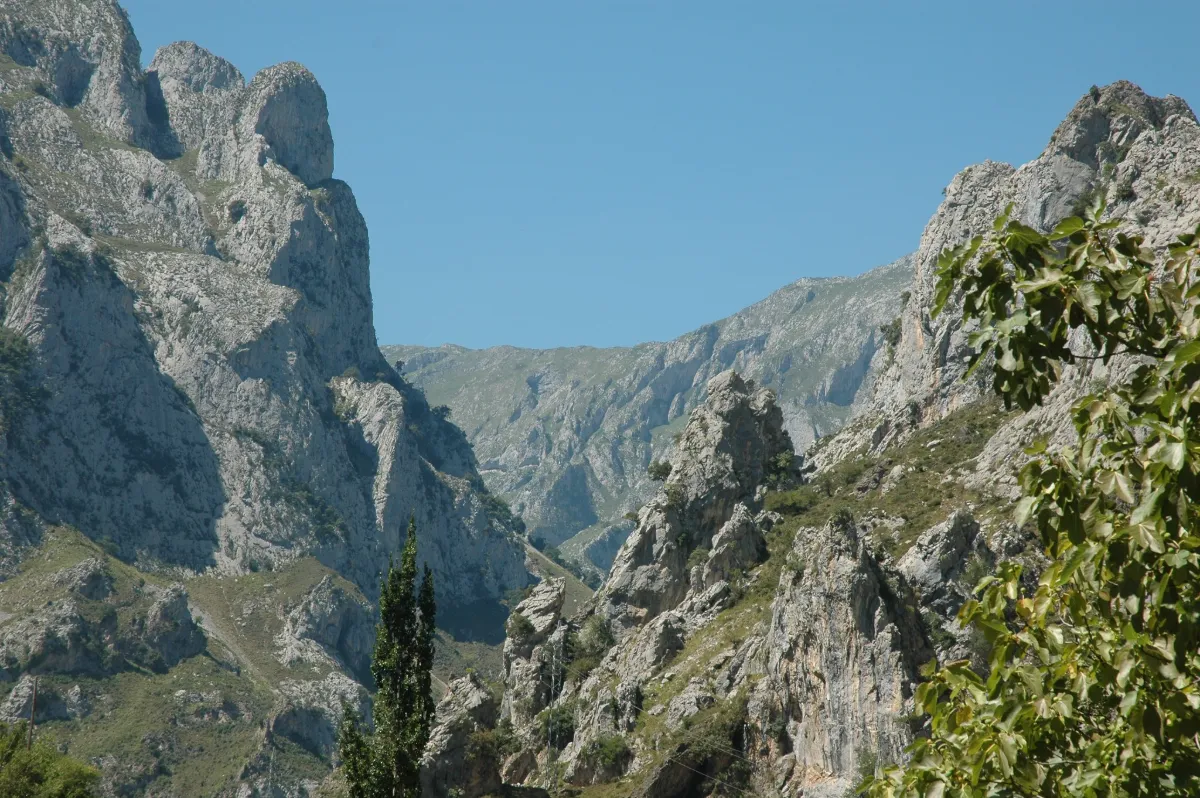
[{"x": 386, "y": 764}]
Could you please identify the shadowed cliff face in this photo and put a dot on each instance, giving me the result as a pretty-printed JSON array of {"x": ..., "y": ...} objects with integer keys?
[
  {"x": 189, "y": 290},
  {"x": 777, "y": 650},
  {"x": 566, "y": 434},
  {"x": 189, "y": 377}
]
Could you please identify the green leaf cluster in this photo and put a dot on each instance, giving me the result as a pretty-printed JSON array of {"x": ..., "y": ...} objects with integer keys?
[
  {"x": 1093, "y": 686},
  {"x": 386, "y": 762},
  {"x": 40, "y": 771}
]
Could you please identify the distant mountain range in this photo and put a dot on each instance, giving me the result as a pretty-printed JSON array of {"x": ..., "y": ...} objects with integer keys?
[{"x": 565, "y": 435}]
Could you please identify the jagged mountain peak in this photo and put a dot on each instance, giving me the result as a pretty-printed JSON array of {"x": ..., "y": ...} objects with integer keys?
[
  {"x": 731, "y": 443},
  {"x": 566, "y": 435},
  {"x": 1121, "y": 108},
  {"x": 86, "y": 56}
]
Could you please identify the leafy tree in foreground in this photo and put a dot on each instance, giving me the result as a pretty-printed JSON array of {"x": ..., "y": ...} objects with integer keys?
[
  {"x": 40, "y": 771},
  {"x": 386, "y": 763},
  {"x": 1094, "y": 683}
]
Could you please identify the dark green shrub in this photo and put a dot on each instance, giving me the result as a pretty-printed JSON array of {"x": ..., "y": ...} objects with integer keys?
[
  {"x": 499, "y": 511},
  {"x": 40, "y": 771},
  {"x": 842, "y": 518},
  {"x": 608, "y": 753},
  {"x": 779, "y": 469},
  {"x": 659, "y": 470},
  {"x": 697, "y": 557},
  {"x": 557, "y": 724},
  {"x": 891, "y": 332},
  {"x": 519, "y": 627}
]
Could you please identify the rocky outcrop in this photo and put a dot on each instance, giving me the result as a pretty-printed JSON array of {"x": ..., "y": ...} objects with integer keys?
[
  {"x": 732, "y": 443},
  {"x": 843, "y": 650},
  {"x": 52, "y": 703},
  {"x": 85, "y": 56},
  {"x": 200, "y": 93},
  {"x": 671, "y": 579},
  {"x": 169, "y": 629},
  {"x": 312, "y": 710},
  {"x": 565, "y": 435},
  {"x": 461, "y": 758},
  {"x": 533, "y": 644},
  {"x": 1139, "y": 152},
  {"x": 88, "y": 579},
  {"x": 86, "y": 636},
  {"x": 940, "y": 560},
  {"x": 57, "y": 639},
  {"x": 330, "y": 624},
  {"x": 190, "y": 299}
]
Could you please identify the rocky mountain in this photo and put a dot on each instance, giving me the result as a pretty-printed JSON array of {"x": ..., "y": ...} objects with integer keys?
[
  {"x": 566, "y": 435},
  {"x": 762, "y": 629},
  {"x": 205, "y": 460},
  {"x": 1140, "y": 154}
]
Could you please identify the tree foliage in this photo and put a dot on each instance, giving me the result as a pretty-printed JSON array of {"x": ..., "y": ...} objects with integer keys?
[
  {"x": 40, "y": 771},
  {"x": 1094, "y": 675},
  {"x": 386, "y": 762}
]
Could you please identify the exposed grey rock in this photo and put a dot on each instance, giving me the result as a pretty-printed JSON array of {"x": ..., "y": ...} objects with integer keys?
[
  {"x": 935, "y": 564},
  {"x": 566, "y": 434},
  {"x": 843, "y": 650},
  {"x": 329, "y": 623},
  {"x": 199, "y": 708},
  {"x": 285, "y": 109},
  {"x": 738, "y": 544},
  {"x": 200, "y": 92},
  {"x": 57, "y": 639},
  {"x": 455, "y": 763},
  {"x": 85, "y": 56},
  {"x": 51, "y": 704},
  {"x": 169, "y": 628},
  {"x": 89, "y": 579},
  {"x": 204, "y": 385},
  {"x": 694, "y": 698},
  {"x": 529, "y": 656},
  {"x": 725, "y": 452},
  {"x": 312, "y": 710}
]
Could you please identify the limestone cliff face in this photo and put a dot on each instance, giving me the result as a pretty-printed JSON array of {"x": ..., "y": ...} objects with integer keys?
[
  {"x": 843, "y": 651},
  {"x": 730, "y": 445},
  {"x": 811, "y": 665},
  {"x": 187, "y": 303},
  {"x": 566, "y": 434},
  {"x": 1140, "y": 153},
  {"x": 788, "y": 668},
  {"x": 189, "y": 377}
]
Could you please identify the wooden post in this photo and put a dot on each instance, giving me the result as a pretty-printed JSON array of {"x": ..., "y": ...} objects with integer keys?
[{"x": 32, "y": 711}]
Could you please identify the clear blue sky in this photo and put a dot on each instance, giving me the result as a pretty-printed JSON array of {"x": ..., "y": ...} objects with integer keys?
[{"x": 568, "y": 172}]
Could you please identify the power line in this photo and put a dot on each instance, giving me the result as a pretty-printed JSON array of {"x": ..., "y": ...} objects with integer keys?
[{"x": 726, "y": 784}]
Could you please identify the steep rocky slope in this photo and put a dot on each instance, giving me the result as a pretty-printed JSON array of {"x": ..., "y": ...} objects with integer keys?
[
  {"x": 758, "y": 636},
  {"x": 1141, "y": 154},
  {"x": 565, "y": 435},
  {"x": 733, "y": 643},
  {"x": 189, "y": 380}
]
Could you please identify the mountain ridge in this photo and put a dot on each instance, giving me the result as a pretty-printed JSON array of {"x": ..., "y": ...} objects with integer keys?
[{"x": 607, "y": 412}]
